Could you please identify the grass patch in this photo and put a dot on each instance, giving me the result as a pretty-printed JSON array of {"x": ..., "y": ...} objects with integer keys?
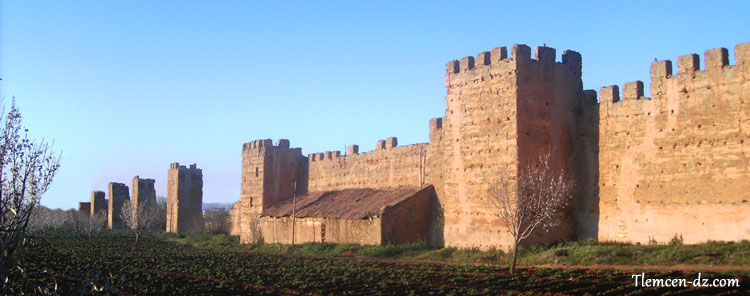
[
  {"x": 203, "y": 240},
  {"x": 584, "y": 252}
]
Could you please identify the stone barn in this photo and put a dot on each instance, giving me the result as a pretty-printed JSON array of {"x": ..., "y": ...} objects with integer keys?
[{"x": 360, "y": 216}]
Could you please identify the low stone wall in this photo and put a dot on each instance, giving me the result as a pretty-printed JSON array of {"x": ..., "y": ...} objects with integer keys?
[{"x": 329, "y": 230}]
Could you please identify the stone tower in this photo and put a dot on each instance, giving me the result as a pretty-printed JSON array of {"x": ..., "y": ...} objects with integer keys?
[
  {"x": 98, "y": 202},
  {"x": 270, "y": 174},
  {"x": 118, "y": 194},
  {"x": 143, "y": 193},
  {"x": 184, "y": 198},
  {"x": 502, "y": 112}
]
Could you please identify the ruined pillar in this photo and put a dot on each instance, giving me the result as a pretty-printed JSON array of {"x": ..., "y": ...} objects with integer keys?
[
  {"x": 143, "y": 193},
  {"x": 98, "y": 203},
  {"x": 118, "y": 194},
  {"x": 84, "y": 207},
  {"x": 184, "y": 198}
]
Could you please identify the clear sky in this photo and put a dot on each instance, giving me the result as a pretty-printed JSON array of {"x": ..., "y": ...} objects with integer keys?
[{"x": 125, "y": 88}]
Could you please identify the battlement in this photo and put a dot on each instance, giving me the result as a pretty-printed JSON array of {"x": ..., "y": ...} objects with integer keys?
[
  {"x": 328, "y": 155},
  {"x": 688, "y": 72},
  {"x": 388, "y": 143},
  {"x": 521, "y": 54},
  {"x": 352, "y": 150},
  {"x": 265, "y": 144},
  {"x": 148, "y": 182},
  {"x": 176, "y": 166}
]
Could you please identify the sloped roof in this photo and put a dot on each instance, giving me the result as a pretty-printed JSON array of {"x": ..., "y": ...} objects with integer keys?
[{"x": 346, "y": 203}]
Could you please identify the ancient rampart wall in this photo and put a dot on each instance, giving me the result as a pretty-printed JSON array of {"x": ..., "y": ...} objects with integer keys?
[
  {"x": 645, "y": 169},
  {"x": 389, "y": 165},
  {"x": 677, "y": 163}
]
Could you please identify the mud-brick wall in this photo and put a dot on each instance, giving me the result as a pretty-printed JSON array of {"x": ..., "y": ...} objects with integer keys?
[
  {"x": 387, "y": 166},
  {"x": 330, "y": 230},
  {"x": 408, "y": 220},
  {"x": 677, "y": 164}
]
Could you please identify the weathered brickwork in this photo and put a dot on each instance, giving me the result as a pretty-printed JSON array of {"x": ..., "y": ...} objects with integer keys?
[
  {"x": 644, "y": 168},
  {"x": 386, "y": 166},
  {"x": 677, "y": 163},
  {"x": 270, "y": 174},
  {"x": 318, "y": 229},
  {"x": 184, "y": 198},
  {"x": 409, "y": 220},
  {"x": 118, "y": 194},
  {"x": 235, "y": 218},
  {"x": 98, "y": 202},
  {"x": 501, "y": 113}
]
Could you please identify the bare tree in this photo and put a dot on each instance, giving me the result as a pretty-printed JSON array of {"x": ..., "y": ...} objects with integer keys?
[
  {"x": 26, "y": 171},
  {"x": 95, "y": 223},
  {"x": 217, "y": 220},
  {"x": 160, "y": 213},
  {"x": 531, "y": 201},
  {"x": 139, "y": 219}
]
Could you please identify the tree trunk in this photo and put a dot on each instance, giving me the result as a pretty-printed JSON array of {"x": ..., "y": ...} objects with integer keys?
[
  {"x": 136, "y": 241},
  {"x": 515, "y": 256}
]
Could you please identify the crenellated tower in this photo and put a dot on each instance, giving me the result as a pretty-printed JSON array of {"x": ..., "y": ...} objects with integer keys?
[
  {"x": 501, "y": 113},
  {"x": 270, "y": 174}
]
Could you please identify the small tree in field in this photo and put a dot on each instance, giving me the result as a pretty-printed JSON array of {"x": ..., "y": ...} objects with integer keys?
[
  {"x": 217, "y": 220},
  {"x": 95, "y": 223},
  {"x": 160, "y": 213},
  {"x": 533, "y": 201},
  {"x": 139, "y": 219},
  {"x": 26, "y": 171}
]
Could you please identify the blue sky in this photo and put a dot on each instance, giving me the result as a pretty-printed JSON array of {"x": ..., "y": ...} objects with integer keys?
[{"x": 124, "y": 88}]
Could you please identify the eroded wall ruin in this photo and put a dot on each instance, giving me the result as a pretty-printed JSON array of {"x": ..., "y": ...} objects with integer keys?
[
  {"x": 84, "y": 207},
  {"x": 98, "y": 202},
  {"x": 118, "y": 194},
  {"x": 184, "y": 198},
  {"x": 143, "y": 193}
]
